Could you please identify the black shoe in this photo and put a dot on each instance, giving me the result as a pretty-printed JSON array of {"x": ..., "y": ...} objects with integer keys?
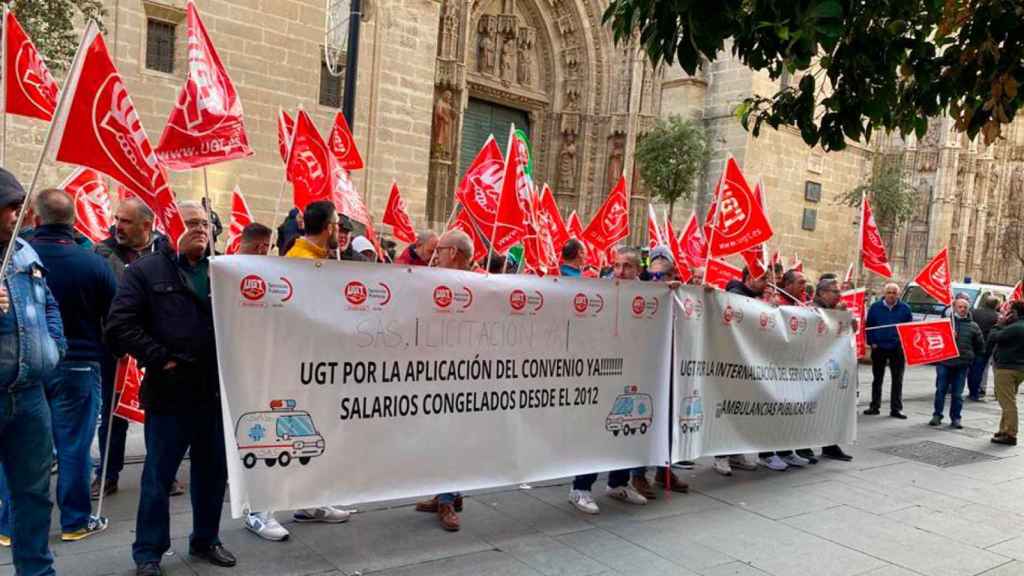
[
  {"x": 149, "y": 569},
  {"x": 899, "y": 415},
  {"x": 835, "y": 453},
  {"x": 217, "y": 555},
  {"x": 808, "y": 454},
  {"x": 871, "y": 412},
  {"x": 1005, "y": 440}
]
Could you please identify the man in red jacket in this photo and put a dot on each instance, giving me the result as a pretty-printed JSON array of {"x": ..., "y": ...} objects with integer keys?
[{"x": 420, "y": 252}]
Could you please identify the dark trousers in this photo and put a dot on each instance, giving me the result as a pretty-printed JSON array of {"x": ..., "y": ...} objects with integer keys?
[
  {"x": 977, "y": 376},
  {"x": 616, "y": 479},
  {"x": 897, "y": 364},
  {"x": 26, "y": 452},
  {"x": 168, "y": 436},
  {"x": 119, "y": 432}
]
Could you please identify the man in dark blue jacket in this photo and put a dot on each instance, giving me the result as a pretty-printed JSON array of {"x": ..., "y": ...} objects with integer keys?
[
  {"x": 83, "y": 286},
  {"x": 31, "y": 344},
  {"x": 883, "y": 316}
]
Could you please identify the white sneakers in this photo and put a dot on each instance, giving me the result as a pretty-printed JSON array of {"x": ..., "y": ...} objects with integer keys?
[
  {"x": 264, "y": 525},
  {"x": 583, "y": 500},
  {"x": 796, "y": 460},
  {"x": 742, "y": 462},
  {"x": 722, "y": 466},
  {"x": 626, "y": 494},
  {"x": 773, "y": 462},
  {"x": 325, "y": 514}
]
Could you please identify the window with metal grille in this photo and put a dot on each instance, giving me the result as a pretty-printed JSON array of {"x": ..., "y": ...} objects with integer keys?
[
  {"x": 330, "y": 85},
  {"x": 810, "y": 221},
  {"x": 160, "y": 45}
]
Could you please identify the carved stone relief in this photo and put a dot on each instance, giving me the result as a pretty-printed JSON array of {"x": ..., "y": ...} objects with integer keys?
[
  {"x": 525, "y": 56},
  {"x": 444, "y": 116},
  {"x": 449, "y": 30},
  {"x": 567, "y": 163},
  {"x": 487, "y": 31},
  {"x": 616, "y": 158}
]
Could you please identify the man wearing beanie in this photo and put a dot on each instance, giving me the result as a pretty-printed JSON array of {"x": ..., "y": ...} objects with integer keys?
[{"x": 31, "y": 345}]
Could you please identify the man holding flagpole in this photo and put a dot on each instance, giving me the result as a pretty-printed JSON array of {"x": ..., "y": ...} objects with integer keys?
[{"x": 883, "y": 316}]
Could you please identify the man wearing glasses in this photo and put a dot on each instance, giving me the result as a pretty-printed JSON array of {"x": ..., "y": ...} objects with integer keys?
[
  {"x": 162, "y": 315},
  {"x": 827, "y": 296}
]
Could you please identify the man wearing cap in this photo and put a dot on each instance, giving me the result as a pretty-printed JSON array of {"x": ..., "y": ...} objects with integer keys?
[
  {"x": 362, "y": 246},
  {"x": 345, "y": 248},
  {"x": 31, "y": 344}
]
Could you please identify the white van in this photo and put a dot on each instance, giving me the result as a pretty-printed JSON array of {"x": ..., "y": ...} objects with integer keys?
[
  {"x": 631, "y": 413},
  {"x": 925, "y": 307},
  {"x": 278, "y": 435}
]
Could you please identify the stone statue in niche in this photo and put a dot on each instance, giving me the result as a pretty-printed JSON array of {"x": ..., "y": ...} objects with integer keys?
[
  {"x": 525, "y": 63},
  {"x": 488, "y": 47},
  {"x": 1017, "y": 184},
  {"x": 443, "y": 116},
  {"x": 508, "y": 53},
  {"x": 615, "y": 159},
  {"x": 572, "y": 97},
  {"x": 449, "y": 28},
  {"x": 567, "y": 164}
]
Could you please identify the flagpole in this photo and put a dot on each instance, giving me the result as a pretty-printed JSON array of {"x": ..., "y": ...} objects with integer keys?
[
  {"x": 42, "y": 153},
  {"x": 209, "y": 214},
  {"x": 106, "y": 450},
  {"x": 860, "y": 239}
]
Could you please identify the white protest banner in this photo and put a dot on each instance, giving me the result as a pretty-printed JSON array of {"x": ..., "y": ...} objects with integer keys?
[
  {"x": 753, "y": 377},
  {"x": 347, "y": 382}
]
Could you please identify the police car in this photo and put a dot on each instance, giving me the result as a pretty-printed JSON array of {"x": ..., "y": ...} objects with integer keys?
[
  {"x": 630, "y": 414},
  {"x": 278, "y": 435}
]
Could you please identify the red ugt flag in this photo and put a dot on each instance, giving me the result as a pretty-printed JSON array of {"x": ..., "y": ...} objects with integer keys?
[
  {"x": 719, "y": 273},
  {"x": 309, "y": 166},
  {"x": 397, "y": 217},
  {"x": 480, "y": 188},
  {"x": 30, "y": 89},
  {"x": 854, "y": 302},
  {"x": 934, "y": 278},
  {"x": 206, "y": 125},
  {"x": 93, "y": 218},
  {"x": 1018, "y": 293},
  {"x": 611, "y": 223},
  {"x": 739, "y": 221},
  {"x": 285, "y": 127},
  {"x": 552, "y": 218},
  {"x": 240, "y": 218},
  {"x": 654, "y": 236},
  {"x": 693, "y": 245},
  {"x": 512, "y": 220},
  {"x": 98, "y": 127},
  {"x": 343, "y": 145},
  {"x": 871, "y": 247},
  {"x": 928, "y": 342},
  {"x": 682, "y": 268},
  {"x": 465, "y": 223},
  {"x": 128, "y": 383}
]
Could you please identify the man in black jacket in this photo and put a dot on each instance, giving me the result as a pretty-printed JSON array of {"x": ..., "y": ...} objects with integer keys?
[
  {"x": 1006, "y": 345},
  {"x": 162, "y": 316},
  {"x": 951, "y": 375},
  {"x": 985, "y": 316}
]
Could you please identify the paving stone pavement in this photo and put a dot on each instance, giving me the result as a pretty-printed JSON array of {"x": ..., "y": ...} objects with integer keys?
[{"x": 884, "y": 514}]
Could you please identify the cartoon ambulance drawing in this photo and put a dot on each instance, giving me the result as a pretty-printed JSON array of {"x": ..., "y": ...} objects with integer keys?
[
  {"x": 278, "y": 435},
  {"x": 630, "y": 414}
]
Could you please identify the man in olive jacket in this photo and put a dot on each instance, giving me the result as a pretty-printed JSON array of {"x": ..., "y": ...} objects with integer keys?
[
  {"x": 1006, "y": 342},
  {"x": 951, "y": 375}
]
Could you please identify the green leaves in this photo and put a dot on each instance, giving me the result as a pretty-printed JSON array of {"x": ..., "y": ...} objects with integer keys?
[
  {"x": 671, "y": 158},
  {"x": 50, "y": 24},
  {"x": 885, "y": 64}
]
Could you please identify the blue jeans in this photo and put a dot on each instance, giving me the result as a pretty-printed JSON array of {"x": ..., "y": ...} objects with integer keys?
[
  {"x": 950, "y": 379},
  {"x": 26, "y": 452},
  {"x": 73, "y": 394},
  {"x": 118, "y": 427},
  {"x": 977, "y": 376},
  {"x": 168, "y": 436}
]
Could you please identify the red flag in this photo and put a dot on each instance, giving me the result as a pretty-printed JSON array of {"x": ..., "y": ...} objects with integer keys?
[
  {"x": 1018, "y": 293},
  {"x": 552, "y": 218},
  {"x": 611, "y": 223},
  {"x": 797, "y": 264},
  {"x": 512, "y": 220},
  {"x": 718, "y": 273},
  {"x": 464, "y": 222},
  {"x": 739, "y": 222},
  {"x": 682, "y": 268},
  {"x": 206, "y": 123},
  {"x": 240, "y": 218},
  {"x": 693, "y": 244},
  {"x": 928, "y": 342},
  {"x": 397, "y": 217},
  {"x": 854, "y": 301},
  {"x": 538, "y": 248},
  {"x": 309, "y": 164},
  {"x": 128, "y": 382},
  {"x": 934, "y": 278},
  {"x": 344, "y": 194},
  {"x": 654, "y": 236},
  {"x": 871, "y": 247},
  {"x": 343, "y": 145},
  {"x": 99, "y": 128},
  {"x": 93, "y": 217},
  {"x": 755, "y": 261},
  {"x": 575, "y": 228},
  {"x": 30, "y": 89},
  {"x": 481, "y": 186},
  {"x": 285, "y": 127}
]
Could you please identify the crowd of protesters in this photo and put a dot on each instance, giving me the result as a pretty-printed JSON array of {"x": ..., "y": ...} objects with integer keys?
[{"x": 69, "y": 310}]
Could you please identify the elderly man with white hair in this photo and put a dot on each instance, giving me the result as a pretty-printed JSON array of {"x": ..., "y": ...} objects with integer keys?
[
  {"x": 951, "y": 375},
  {"x": 883, "y": 316}
]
